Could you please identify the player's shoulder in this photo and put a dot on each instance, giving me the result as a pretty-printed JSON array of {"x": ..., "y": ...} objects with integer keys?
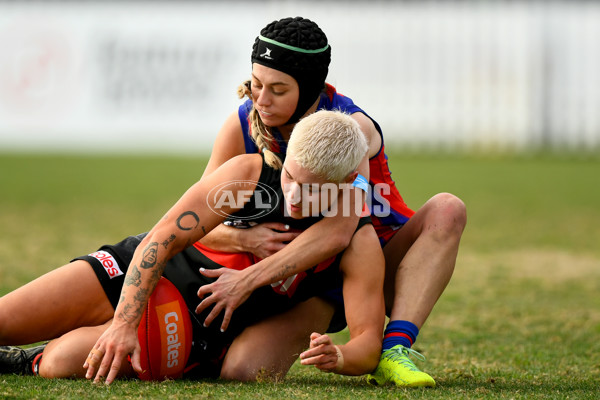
[{"x": 369, "y": 130}]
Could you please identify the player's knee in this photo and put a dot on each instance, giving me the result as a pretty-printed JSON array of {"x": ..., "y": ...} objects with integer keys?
[
  {"x": 238, "y": 370},
  {"x": 246, "y": 367},
  {"x": 449, "y": 216},
  {"x": 57, "y": 364}
]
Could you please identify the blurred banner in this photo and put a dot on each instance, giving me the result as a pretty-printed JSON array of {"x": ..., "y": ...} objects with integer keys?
[{"x": 162, "y": 76}]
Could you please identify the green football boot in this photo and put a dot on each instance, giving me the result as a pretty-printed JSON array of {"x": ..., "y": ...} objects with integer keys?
[{"x": 396, "y": 367}]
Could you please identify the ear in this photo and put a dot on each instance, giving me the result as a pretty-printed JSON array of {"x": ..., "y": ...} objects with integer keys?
[{"x": 351, "y": 177}]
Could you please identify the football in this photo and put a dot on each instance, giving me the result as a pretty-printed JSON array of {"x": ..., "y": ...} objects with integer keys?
[{"x": 165, "y": 334}]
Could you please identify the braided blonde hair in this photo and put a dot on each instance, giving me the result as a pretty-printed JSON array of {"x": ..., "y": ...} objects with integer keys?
[{"x": 261, "y": 134}]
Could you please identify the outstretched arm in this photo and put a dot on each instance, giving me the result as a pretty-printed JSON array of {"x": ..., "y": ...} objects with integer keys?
[
  {"x": 186, "y": 222},
  {"x": 363, "y": 268}
]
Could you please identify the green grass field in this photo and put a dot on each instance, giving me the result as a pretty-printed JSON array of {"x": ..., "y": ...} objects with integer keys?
[{"x": 520, "y": 318}]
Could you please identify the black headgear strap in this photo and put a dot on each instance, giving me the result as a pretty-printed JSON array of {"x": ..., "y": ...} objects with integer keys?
[{"x": 308, "y": 67}]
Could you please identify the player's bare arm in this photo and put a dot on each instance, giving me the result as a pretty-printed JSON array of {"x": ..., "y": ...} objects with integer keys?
[
  {"x": 187, "y": 221},
  {"x": 368, "y": 129},
  {"x": 228, "y": 144},
  {"x": 363, "y": 270}
]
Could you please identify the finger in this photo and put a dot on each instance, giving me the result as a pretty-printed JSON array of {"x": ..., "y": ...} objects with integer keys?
[
  {"x": 287, "y": 237},
  {"x": 315, "y": 351},
  {"x": 204, "y": 290},
  {"x": 212, "y": 273},
  {"x": 310, "y": 353},
  {"x": 212, "y": 315},
  {"x": 324, "y": 363},
  {"x": 204, "y": 304},
  {"x": 320, "y": 359},
  {"x": 136, "y": 362},
  {"x": 92, "y": 362},
  {"x": 320, "y": 340},
  {"x": 115, "y": 367},
  {"x": 104, "y": 367},
  {"x": 90, "y": 371},
  {"x": 278, "y": 226},
  {"x": 226, "y": 319}
]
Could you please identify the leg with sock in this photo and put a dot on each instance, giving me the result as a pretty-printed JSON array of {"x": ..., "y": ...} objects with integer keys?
[
  {"x": 400, "y": 332},
  {"x": 395, "y": 365}
]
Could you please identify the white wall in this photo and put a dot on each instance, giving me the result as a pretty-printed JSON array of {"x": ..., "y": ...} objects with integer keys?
[{"x": 161, "y": 76}]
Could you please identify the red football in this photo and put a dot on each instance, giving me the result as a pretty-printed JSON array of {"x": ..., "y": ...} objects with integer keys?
[{"x": 165, "y": 334}]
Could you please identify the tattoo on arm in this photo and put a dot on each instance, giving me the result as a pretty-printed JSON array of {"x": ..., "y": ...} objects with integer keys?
[
  {"x": 131, "y": 312},
  {"x": 188, "y": 221},
  {"x": 134, "y": 277},
  {"x": 134, "y": 307},
  {"x": 284, "y": 272},
  {"x": 149, "y": 256},
  {"x": 141, "y": 296},
  {"x": 168, "y": 241}
]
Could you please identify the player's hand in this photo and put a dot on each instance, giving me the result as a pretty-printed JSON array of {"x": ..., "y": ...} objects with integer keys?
[
  {"x": 110, "y": 351},
  {"x": 227, "y": 293},
  {"x": 266, "y": 239},
  {"x": 323, "y": 354}
]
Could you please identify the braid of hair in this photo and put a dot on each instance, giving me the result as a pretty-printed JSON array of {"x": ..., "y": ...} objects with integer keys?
[{"x": 261, "y": 134}]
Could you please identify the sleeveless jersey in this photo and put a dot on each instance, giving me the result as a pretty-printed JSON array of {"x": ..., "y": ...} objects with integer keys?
[{"x": 388, "y": 210}]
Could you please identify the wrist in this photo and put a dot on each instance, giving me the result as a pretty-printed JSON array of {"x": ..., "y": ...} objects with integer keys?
[
  {"x": 121, "y": 321},
  {"x": 239, "y": 240},
  {"x": 340, "y": 359},
  {"x": 124, "y": 319},
  {"x": 254, "y": 276}
]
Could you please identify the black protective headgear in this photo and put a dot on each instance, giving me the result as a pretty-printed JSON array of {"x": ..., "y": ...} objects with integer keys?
[{"x": 299, "y": 48}]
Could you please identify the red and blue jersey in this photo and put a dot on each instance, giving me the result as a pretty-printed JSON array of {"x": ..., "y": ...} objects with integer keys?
[{"x": 387, "y": 207}]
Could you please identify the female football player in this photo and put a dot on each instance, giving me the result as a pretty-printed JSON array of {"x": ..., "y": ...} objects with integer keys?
[{"x": 290, "y": 60}]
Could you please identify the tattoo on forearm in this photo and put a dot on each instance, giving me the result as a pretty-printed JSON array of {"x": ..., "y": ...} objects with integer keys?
[
  {"x": 149, "y": 256},
  {"x": 141, "y": 296},
  {"x": 188, "y": 221},
  {"x": 284, "y": 272},
  {"x": 134, "y": 277},
  {"x": 133, "y": 309},
  {"x": 168, "y": 241},
  {"x": 131, "y": 312},
  {"x": 156, "y": 274}
]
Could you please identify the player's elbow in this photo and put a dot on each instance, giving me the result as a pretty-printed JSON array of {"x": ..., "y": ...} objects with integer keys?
[{"x": 372, "y": 360}]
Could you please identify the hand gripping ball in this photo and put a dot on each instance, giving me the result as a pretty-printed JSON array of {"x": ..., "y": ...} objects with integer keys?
[{"x": 165, "y": 334}]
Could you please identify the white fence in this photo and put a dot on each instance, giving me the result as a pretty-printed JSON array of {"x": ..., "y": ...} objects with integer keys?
[{"x": 161, "y": 76}]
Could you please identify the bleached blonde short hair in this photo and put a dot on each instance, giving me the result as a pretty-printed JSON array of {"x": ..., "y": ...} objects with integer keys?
[{"x": 330, "y": 144}]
